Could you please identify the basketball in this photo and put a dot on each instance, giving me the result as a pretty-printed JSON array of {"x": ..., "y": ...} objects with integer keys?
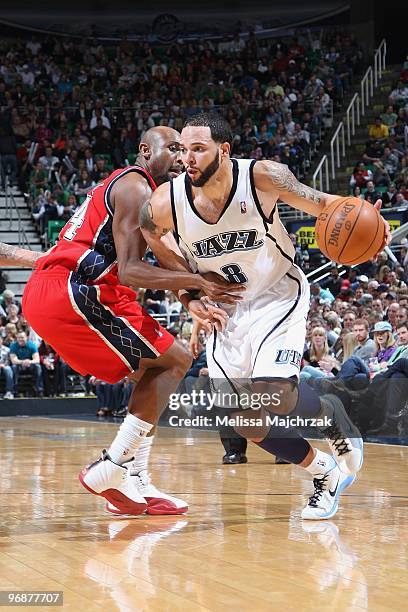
[{"x": 350, "y": 231}]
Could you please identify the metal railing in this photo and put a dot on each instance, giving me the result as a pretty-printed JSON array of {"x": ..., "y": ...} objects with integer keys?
[
  {"x": 335, "y": 148},
  {"x": 367, "y": 89},
  {"x": 352, "y": 117},
  {"x": 321, "y": 173},
  {"x": 379, "y": 60},
  {"x": 355, "y": 110},
  {"x": 10, "y": 206}
]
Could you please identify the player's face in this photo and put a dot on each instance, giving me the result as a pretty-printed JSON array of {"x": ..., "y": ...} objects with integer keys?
[
  {"x": 200, "y": 154},
  {"x": 165, "y": 162}
]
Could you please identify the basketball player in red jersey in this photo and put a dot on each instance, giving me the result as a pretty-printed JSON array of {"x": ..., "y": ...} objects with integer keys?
[{"x": 80, "y": 300}]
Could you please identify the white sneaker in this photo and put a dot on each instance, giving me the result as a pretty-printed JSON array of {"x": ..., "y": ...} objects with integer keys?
[
  {"x": 324, "y": 502},
  {"x": 109, "y": 480},
  {"x": 9, "y": 395},
  {"x": 342, "y": 435},
  {"x": 157, "y": 501}
]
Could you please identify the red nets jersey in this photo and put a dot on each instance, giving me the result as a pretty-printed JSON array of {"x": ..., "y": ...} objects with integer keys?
[{"x": 85, "y": 245}]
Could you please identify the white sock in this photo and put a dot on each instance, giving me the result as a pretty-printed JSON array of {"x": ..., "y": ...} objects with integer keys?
[
  {"x": 141, "y": 461},
  {"x": 321, "y": 464},
  {"x": 129, "y": 437}
]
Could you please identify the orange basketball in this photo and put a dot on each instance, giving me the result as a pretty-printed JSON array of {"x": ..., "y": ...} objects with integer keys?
[{"x": 350, "y": 231}]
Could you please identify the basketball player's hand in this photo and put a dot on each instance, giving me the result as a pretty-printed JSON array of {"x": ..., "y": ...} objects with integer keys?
[
  {"x": 220, "y": 290},
  {"x": 208, "y": 315},
  {"x": 387, "y": 229}
]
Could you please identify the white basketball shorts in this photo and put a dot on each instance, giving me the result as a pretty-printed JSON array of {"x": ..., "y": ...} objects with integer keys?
[{"x": 264, "y": 337}]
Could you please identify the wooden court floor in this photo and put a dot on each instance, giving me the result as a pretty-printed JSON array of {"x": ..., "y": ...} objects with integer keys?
[{"x": 241, "y": 547}]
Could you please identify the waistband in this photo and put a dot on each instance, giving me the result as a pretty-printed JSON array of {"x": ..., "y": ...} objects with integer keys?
[{"x": 57, "y": 272}]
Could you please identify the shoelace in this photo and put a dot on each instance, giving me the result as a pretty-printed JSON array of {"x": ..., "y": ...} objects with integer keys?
[
  {"x": 320, "y": 486},
  {"x": 143, "y": 478},
  {"x": 337, "y": 437}
]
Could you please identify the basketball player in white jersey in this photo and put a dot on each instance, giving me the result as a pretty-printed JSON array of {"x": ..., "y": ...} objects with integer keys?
[{"x": 224, "y": 215}]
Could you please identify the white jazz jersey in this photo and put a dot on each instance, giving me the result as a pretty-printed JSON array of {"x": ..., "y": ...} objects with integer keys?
[
  {"x": 265, "y": 332},
  {"x": 243, "y": 246}
]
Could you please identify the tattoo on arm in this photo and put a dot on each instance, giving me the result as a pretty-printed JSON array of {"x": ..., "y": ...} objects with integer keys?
[
  {"x": 285, "y": 180},
  {"x": 147, "y": 223},
  {"x": 17, "y": 256}
]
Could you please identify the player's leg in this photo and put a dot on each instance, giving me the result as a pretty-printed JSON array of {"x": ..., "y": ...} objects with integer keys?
[
  {"x": 279, "y": 335},
  {"x": 102, "y": 331},
  {"x": 160, "y": 377},
  {"x": 328, "y": 480}
]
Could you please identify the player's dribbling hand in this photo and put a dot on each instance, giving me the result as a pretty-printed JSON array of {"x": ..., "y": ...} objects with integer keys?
[
  {"x": 387, "y": 229},
  {"x": 220, "y": 290}
]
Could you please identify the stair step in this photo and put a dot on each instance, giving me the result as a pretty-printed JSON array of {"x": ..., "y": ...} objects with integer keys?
[
  {"x": 18, "y": 204},
  {"x": 17, "y": 275},
  {"x": 22, "y": 214},
  {"x": 16, "y": 288},
  {"x": 27, "y": 225},
  {"x": 6, "y": 236}
]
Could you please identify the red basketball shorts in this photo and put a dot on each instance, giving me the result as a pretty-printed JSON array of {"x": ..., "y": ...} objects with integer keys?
[{"x": 97, "y": 329}]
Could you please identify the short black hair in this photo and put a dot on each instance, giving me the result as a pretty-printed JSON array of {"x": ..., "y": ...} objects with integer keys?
[{"x": 220, "y": 128}]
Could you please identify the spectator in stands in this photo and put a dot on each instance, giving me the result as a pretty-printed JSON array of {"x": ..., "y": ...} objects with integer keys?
[
  {"x": 317, "y": 292},
  {"x": 183, "y": 327},
  {"x": 84, "y": 184},
  {"x": 24, "y": 358},
  {"x": 365, "y": 347},
  {"x": 154, "y": 301},
  {"x": 400, "y": 201},
  {"x": 373, "y": 152},
  {"x": 378, "y": 131},
  {"x": 349, "y": 318},
  {"x": 13, "y": 316},
  {"x": 390, "y": 162},
  {"x": 360, "y": 176},
  {"x": 334, "y": 282},
  {"x": 371, "y": 194},
  {"x": 8, "y": 298},
  {"x": 10, "y": 333},
  {"x": 389, "y": 118},
  {"x": 5, "y": 370},
  {"x": 49, "y": 161},
  {"x": 399, "y": 95},
  {"x": 48, "y": 209},
  {"x": 54, "y": 370},
  {"x": 357, "y": 192},
  {"x": 392, "y": 310},
  {"x": 402, "y": 315},
  {"x": 314, "y": 358},
  {"x": 389, "y": 198},
  {"x": 384, "y": 342}
]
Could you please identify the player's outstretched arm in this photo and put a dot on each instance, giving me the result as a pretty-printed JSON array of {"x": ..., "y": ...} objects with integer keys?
[
  {"x": 272, "y": 177},
  {"x": 18, "y": 257}
]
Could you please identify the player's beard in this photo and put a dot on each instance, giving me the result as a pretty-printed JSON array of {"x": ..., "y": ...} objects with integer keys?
[{"x": 207, "y": 173}]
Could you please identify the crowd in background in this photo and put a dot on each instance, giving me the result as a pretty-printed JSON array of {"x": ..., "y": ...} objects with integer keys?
[
  {"x": 382, "y": 170},
  {"x": 357, "y": 340},
  {"x": 70, "y": 114},
  {"x": 72, "y": 111}
]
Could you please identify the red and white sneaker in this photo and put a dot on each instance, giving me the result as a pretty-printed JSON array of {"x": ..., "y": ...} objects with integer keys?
[
  {"x": 109, "y": 480},
  {"x": 157, "y": 501}
]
